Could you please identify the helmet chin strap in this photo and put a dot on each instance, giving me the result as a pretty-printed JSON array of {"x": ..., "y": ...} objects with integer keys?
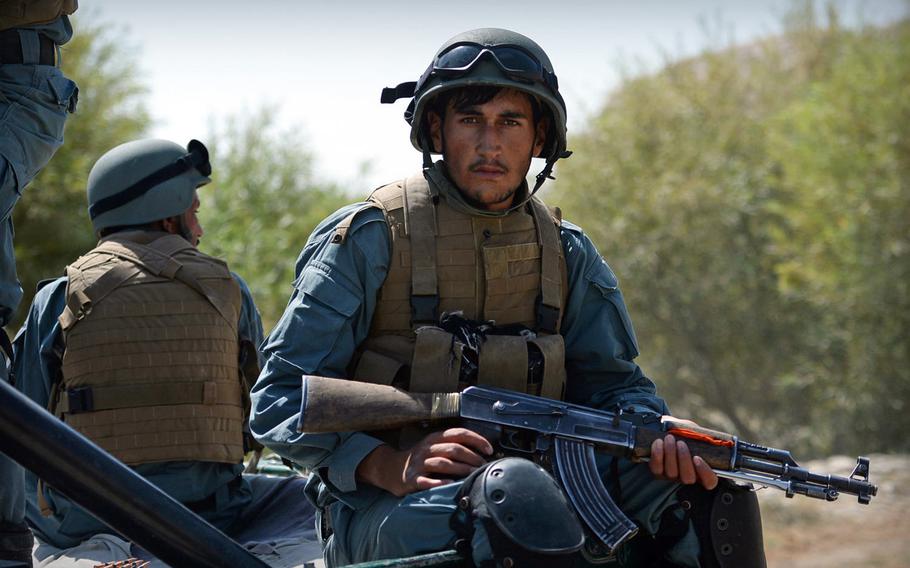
[
  {"x": 544, "y": 175},
  {"x": 425, "y": 150},
  {"x": 546, "y": 172}
]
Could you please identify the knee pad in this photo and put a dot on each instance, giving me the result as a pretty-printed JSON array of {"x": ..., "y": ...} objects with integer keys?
[
  {"x": 523, "y": 511},
  {"x": 16, "y": 543},
  {"x": 727, "y": 521}
]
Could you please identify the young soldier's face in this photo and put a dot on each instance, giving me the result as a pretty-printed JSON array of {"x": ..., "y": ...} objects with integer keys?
[{"x": 488, "y": 147}]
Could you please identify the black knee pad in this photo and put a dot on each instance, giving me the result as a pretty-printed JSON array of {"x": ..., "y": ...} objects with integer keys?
[
  {"x": 16, "y": 543},
  {"x": 525, "y": 514},
  {"x": 727, "y": 521}
]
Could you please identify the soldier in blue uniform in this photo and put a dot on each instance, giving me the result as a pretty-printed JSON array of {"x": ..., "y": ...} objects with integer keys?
[
  {"x": 379, "y": 282},
  {"x": 147, "y": 346},
  {"x": 35, "y": 99}
]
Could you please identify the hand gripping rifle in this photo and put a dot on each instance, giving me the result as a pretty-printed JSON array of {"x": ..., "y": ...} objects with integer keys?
[{"x": 563, "y": 437}]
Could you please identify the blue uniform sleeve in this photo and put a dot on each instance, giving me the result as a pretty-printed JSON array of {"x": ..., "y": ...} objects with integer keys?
[
  {"x": 328, "y": 316},
  {"x": 250, "y": 325},
  {"x": 600, "y": 343},
  {"x": 35, "y": 363}
]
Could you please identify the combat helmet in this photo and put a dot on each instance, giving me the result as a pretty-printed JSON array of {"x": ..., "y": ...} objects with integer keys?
[
  {"x": 482, "y": 57},
  {"x": 144, "y": 181}
]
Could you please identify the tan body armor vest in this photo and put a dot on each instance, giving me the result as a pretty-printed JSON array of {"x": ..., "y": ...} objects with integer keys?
[
  {"x": 508, "y": 268},
  {"x": 19, "y": 13},
  {"x": 150, "y": 367}
]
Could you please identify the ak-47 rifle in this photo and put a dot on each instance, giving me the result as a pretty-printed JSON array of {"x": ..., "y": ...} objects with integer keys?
[{"x": 563, "y": 437}]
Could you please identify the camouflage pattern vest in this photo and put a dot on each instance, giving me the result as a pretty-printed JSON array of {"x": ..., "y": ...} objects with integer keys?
[
  {"x": 150, "y": 367},
  {"x": 506, "y": 268},
  {"x": 19, "y": 13}
]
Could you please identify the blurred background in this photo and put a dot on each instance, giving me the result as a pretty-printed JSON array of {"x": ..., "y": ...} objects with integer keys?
[{"x": 744, "y": 167}]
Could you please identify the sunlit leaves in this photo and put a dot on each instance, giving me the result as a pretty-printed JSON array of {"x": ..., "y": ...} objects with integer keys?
[{"x": 754, "y": 202}]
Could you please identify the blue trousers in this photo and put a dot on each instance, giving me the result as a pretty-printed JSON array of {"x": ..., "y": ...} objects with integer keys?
[
  {"x": 392, "y": 527},
  {"x": 34, "y": 103}
]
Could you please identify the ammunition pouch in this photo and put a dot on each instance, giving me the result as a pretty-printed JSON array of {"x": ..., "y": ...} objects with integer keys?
[
  {"x": 16, "y": 542},
  {"x": 522, "y": 510},
  {"x": 727, "y": 521},
  {"x": 458, "y": 353}
]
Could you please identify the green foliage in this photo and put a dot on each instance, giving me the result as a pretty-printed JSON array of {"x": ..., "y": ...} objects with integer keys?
[
  {"x": 52, "y": 225},
  {"x": 846, "y": 152},
  {"x": 263, "y": 204},
  {"x": 754, "y": 201}
]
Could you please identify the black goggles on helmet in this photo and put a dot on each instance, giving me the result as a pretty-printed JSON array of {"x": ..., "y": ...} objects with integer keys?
[
  {"x": 196, "y": 157},
  {"x": 515, "y": 62}
]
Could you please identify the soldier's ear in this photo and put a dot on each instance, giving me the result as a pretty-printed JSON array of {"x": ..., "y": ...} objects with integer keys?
[
  {"x": 170, "y": 225},
  {"x": 434, "y": 121}
]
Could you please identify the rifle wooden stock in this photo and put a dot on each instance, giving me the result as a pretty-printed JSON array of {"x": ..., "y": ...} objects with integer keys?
[{"x": 340, "y": 405}]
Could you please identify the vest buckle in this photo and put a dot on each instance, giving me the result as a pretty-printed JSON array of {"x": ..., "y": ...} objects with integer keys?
[
  {"x": 79, "y": 400},
  {"x": 424, "y": 309},
  {"x": 547, "y": 316}
]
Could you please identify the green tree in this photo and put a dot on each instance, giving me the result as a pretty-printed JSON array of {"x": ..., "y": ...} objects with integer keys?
[
  {"x": 264, "y": 203},
  {"x": 705, "y": 185},
  {"x": 845, "y": 148},
  {"x": 52, "y": 225}
]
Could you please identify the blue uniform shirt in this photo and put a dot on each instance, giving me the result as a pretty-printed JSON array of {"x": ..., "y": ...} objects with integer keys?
[
  {"x": 36, "y": 366},
  {"x": 332, "y": 303}
]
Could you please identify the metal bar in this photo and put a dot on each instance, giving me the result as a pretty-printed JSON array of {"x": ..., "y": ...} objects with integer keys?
[
  {"x": 447, "y": 558},
  {"x": 111, "y": 491}
]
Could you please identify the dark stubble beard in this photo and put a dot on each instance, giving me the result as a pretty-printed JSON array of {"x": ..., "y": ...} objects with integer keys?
[{"x": 472, "y": 198}]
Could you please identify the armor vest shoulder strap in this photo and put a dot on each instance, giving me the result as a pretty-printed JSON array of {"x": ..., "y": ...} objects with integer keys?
[
  {"x": 158, "y": 258},
  {"x": 547, "y": 222},
  {"x": 171, "y": 245},
  {"x": 420, "y": 226},
  {"x": 415, "y": 199},
  {"x": 413, "y": 202},
  {"x": 387, "y": 198}
]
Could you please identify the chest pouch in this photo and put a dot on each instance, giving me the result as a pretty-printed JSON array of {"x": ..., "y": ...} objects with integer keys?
[{"x": 460, "y": 352}]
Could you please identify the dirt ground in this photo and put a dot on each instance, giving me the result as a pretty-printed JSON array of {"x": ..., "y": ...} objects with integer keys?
[{"x": 809, "y": 533}]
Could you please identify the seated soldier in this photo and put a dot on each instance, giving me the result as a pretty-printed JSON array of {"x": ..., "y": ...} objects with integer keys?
[
  {"x": 375, "y": 284},
  {"x": 142, "y": 348}
]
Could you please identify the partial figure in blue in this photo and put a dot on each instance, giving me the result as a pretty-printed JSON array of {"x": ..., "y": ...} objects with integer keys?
[
  {"x": 35, "y": 99},
  {"x": 464, "y": 256},
  {"x": 148, "y": 347}
]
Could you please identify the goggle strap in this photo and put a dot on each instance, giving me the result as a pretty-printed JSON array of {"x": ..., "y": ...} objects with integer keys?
[
  {"x": 141, "y": 187},
  {"x": 401, "y": 91}
]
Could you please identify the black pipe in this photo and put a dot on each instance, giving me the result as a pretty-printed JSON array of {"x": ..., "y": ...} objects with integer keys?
[{"x": 111, "y": 491}]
